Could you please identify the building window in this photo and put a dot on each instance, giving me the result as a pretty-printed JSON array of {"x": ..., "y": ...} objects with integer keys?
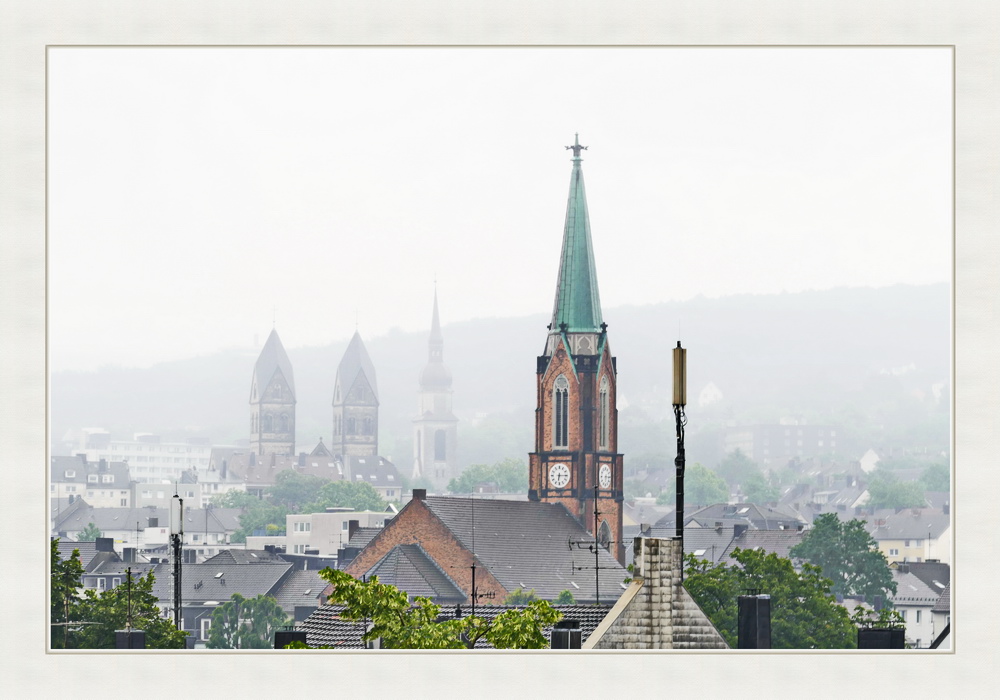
[
  {"x": 560, "y": 395},
  {"x": 893, "y": 552},
  {"x": 302, "y": 527},
  {"x": 102, "y": 584},
  {"x": 906, "y": 543},
  {"x": 91, "y": 478},
  {"x": 206, "y": 624},
  {"x": 116, "y": 582},
  {"x": 108, "y": 478},
  {"x": 605, "y": 409},
  {"x": 918, "y": 616},
  {"x": 903, "y": 614}
]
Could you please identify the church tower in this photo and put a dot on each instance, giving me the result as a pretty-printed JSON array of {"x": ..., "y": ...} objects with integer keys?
[
  {"x": 272, "y": 401},
  {"x": 435, "y": 429},
  {"x": 355, "y": 403},
  {"x": 576, "y": 460}
]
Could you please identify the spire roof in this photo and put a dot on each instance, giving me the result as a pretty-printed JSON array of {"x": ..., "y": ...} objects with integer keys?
[
  {"x": 578, "y": 303},
  {"x": 435, "y": 374},
  {"x": 271, "y": 360},
  {"x": 355, "y": 362}
]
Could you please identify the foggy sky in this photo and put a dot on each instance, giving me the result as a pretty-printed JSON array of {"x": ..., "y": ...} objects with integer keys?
[{"x": 196, "y": 196}]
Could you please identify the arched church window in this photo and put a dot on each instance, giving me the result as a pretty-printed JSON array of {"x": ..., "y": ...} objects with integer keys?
[
  {"x": 253, "y": 423},
  {"x": 440, "y": 445},
  {"x": 369, "y": 429},
  {"x": 266, "y": 424},
  {"x": 284, "y": 422},
  {"x": 560, "y": 402},
  {"x": 605, "y": 411},
  {"x": 351, "y": 426}
]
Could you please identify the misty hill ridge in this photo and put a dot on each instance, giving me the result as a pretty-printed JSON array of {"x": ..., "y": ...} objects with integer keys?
[{"x": 802, "y": 350}]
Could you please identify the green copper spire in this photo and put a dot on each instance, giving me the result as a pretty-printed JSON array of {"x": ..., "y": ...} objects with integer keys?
[{"x": 578, "y": 303}]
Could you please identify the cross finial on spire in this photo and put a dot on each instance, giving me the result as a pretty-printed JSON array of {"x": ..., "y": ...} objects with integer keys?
[{"x": 576, "y": 147}]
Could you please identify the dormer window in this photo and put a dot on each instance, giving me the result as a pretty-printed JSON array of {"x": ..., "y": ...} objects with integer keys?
[
  {"x": 108, "y": 478},
  {"x": 70, "y": 474},
  {"x": 91, "y": 478}
]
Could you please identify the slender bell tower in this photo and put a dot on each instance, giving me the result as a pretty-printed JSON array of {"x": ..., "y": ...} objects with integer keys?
[
  {"x": 272, "y": 401},
  {"x": 435, "y": 429},
  {"x": 576, "y": 460}
]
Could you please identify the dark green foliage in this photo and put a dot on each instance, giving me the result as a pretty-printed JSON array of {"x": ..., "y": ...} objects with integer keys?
[
  {"x": 509, "y": 476},
  {"x": 293, "y": 490},
  {"x": 63, "y": 584},
  {"x": 99, "y": 615},
  {"x": 804, "y": 614},
  {"x": 356, "y": 495},
  {"x": 847, "y": 555},
  {"x": 936, "y": 477},
  {"x": 756, "y": 489},
  {"x": 565, "y": 598},
  {"x": 520, "y": 597},
  {"x": 89, "y": 533},
  {"x": 887, "y": 491},
  {"x": 736, "y": 467},
  {"x": 701, "y": 487},
  {"x": 401, "y": 625},
  {"x": 246, "y": 623}
]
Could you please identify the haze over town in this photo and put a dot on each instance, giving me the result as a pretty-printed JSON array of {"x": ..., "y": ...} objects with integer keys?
[{"x": 200, "y": 196}]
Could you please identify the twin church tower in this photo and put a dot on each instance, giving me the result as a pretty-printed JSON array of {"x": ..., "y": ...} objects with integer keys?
[
  {"x": 355, "y": 407},
  {"x": 575, "y": 461}
]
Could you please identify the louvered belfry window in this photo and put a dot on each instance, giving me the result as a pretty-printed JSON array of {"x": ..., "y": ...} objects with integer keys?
[{"x": 560, "y": 391}]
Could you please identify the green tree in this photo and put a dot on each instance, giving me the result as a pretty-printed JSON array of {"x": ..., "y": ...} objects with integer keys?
[
  {"x": 89, "y": 533},
  {"x": 509, "y": 475},
  {"x": 756, "y": 489},
  {"x": 736, "y": 467},
  {"x": 103, "y": 613},
  {"x": 887, "y": 491},
  {"x": 565, "y": 598},
  {"x": 63, "y": 584},
  {"x": 804, "y": 614},
  {"x": 848, "y": 556},
  {"x": 246, "y": 623},
  {"x": 356, "y": 495},
  {"x": 235, "y": 499},
  {"x": 701, "y": 487},
  {"x": 401, "y": 625},
  {"x": 936, "y": 477},
  {"x": 520, "y": 597},
  {"x": 293, "y": 490},
  {"x": 258, "y": 515}
]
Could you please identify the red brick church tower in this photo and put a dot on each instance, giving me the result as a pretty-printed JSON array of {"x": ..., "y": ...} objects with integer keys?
[{"x": 576, "y": 458}]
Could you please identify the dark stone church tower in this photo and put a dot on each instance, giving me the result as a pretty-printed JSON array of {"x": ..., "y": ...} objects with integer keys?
[
  {"x": 355, "y": 403},
  {"x": 272, "y": 401},
  {"x": 435, "y": 429},
  {"x": 576, "y": 460}
]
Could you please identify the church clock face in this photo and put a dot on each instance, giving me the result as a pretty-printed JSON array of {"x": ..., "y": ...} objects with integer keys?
[
  {"x": 559, "y": 475},
  {"x": 604, "y": 475}
]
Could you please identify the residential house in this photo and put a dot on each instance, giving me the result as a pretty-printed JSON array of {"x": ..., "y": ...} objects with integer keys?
[
  {"x": 323, "y": 534},
  {"x": 104, "y": 484},
  {"x": 914, "y": 535},
  {"x": 915, "y": 601},
  {"x": 514, "y": 544}
]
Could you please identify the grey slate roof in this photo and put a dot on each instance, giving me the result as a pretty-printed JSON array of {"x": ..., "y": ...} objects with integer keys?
[
  {"x": 910, "y": 590},
  {"x": 302, "y": 587},
  {"x": 66, "y": 546},
  {"x": 244, "y": 556},
  {"x": 529, "y": 542},
  {"x": 937, "y": 575},
  {"x": 913, "y": 524},
  {"x": 760, "y": 517},
  {"x": 354, "y": 363},
  {"x": 213, "y": 520},
  {"x": 408, "y": 568},
  {"x": 362, "y": 536},
  {"x": 325, "y": 627},
  {"x": 272, "y": 360},
  {"x": 200, "y": 583},
  {"x": 943, "y": 604},
  {"x": 778, "y": 542}
]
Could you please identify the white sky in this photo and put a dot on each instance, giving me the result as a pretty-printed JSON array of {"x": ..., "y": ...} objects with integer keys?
[{"x": 195, "y": 194}]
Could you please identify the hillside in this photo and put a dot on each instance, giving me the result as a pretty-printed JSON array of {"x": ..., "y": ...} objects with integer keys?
[{"x": 867, "y": 353}]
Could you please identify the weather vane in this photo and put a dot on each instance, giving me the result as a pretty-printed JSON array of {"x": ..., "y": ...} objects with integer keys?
[{"x": 576, "y": 147}]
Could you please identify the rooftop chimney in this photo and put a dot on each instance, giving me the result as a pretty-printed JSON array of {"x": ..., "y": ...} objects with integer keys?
[
  {"x": 419, "y": 494},
  {"x": 105, "y": 544},
  {"x": 352, "y": 527}
]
